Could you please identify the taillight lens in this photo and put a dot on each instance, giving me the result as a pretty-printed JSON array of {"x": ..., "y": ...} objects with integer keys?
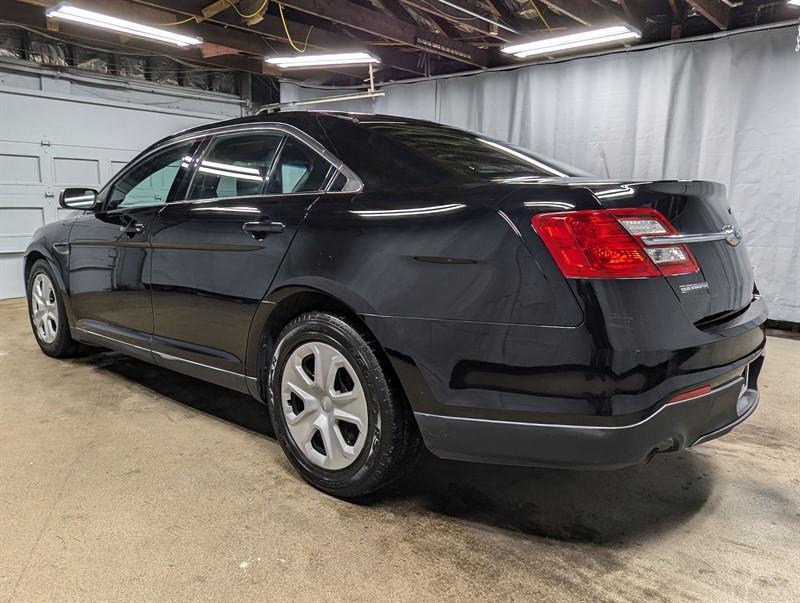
[{"x": 608, "y": 244}]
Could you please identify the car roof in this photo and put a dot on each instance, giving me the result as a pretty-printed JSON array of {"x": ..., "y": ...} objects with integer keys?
[
  {"x": 298, "y": 119},
  {"x": 319, "y": 125}
]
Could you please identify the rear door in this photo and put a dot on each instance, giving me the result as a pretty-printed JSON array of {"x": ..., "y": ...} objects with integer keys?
[{"x": 216, "y": 252}]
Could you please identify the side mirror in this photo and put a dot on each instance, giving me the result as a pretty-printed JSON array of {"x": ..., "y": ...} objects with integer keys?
[{"x": 77, "y": 198}]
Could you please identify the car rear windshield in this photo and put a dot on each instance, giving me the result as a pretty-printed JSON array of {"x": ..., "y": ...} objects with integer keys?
[{"x": 471, "y": 155}]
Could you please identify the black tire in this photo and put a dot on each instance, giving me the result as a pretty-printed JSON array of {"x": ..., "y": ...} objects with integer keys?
[
  {"x": 63, "y": 346},
  {"x": 392, "y": 442}
]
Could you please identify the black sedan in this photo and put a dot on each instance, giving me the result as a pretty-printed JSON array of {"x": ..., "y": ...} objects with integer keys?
[{"x": 383, "y": 283}]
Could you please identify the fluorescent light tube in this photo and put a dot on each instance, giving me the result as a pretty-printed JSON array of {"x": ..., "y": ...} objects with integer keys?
[
  {"x": 793, "y": 3},
  {"x": 589, "y": 37},
  {"x": 301, "y": 61},
  {"x": 66, "y": 12}
]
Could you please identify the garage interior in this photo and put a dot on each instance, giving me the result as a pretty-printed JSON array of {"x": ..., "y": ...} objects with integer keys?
[{"x": 120, "y": 480}]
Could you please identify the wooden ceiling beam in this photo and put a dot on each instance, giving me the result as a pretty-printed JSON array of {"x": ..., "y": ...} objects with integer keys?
[
  {"x": 272, "y": 27},
  {"x": 673, "y": 6},
  {"x": 478, "y": 27},
  {"x": 584, "y": 12},
  {"x": 226, "y": 29},
  {"x": 386, "y": 26},
  {"x": 31, "y": 15},
  {"x": 714, "y": 11}
]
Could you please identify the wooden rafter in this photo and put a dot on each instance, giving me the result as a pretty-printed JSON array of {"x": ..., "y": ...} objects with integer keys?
[
  {"x": 582, "y": 11},
  {"x": 31, "y": 15},
  {"x": 475, "y": 26},
  {"x": 272, "y": 27},
  {"x": 385, "y": 26},
  {"x": 715, "y": 11}
]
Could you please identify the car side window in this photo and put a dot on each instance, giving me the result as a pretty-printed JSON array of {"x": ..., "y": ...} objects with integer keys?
[
  {"x": 299, "y": 170},
  {"x": 235, "y": 165},
  {"x": 151, "y": 181},
  {"x": 338, "y": 183}
]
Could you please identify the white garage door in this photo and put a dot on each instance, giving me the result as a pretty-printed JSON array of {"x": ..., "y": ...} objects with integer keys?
[
  {"x": 31, "y": 174},
  {"x": 56, "y": 133}
]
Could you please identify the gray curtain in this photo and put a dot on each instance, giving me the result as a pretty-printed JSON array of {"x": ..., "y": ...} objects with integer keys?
[{"x": 725, "y": 109}]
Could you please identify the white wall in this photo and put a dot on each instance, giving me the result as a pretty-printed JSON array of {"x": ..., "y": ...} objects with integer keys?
[
  {"x": 726, "y": 109},
  {"x": 76, "y": 130}
]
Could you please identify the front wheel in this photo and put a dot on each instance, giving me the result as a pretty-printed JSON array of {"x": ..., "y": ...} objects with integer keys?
[
  {"x": 339, "y": 418},
  {"x": 47, "y": 314}
]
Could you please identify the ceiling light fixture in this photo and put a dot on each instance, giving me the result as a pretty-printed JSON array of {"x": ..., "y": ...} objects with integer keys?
[
  {"x": 305, "y": 61},
  {"x": 67, "y": 12},
  {"x": 590, "y": 37},
  {"x": 793, "y": 2}
]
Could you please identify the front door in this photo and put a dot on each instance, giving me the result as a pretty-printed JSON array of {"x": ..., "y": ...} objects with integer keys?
[
  {"x": 216, "y": 252},
  {"x": 109, "y": 265}
]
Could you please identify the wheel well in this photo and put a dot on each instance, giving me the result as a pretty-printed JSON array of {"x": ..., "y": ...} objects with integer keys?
[
  {"x": 29, "y": 260},
  {"x": 307, "y": 301}
]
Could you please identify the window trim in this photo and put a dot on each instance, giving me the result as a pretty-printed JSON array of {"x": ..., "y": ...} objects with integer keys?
[
  {"x": 326, "y": 180},
  {"x": 107, "y": 190},
  {"x": 353, "y": 185},
  {"x": 203, "y": 151}
]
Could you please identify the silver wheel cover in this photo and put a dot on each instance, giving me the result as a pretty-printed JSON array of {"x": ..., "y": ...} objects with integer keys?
[
  {"x": 324, "y": 405},
  {"x": 44, "y": 308}
]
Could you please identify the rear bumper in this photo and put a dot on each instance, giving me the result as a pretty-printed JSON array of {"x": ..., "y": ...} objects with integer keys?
[{"x": 673, "y": 426}]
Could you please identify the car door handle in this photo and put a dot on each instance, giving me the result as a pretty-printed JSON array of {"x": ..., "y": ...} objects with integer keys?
[
  {"x": 263, "y": 228},
  {"x": 132, "y": 228}
]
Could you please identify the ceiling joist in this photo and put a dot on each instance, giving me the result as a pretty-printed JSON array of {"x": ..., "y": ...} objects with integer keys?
[
  {"x": 714, "y": 10},
  {"x": 411, "y": 38},
  {"x": 386, "y": 26}
]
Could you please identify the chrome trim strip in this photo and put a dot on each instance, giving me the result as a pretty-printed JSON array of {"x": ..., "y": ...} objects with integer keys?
[
  {"x": 728, "y": 233},
  {"x": 722, "y": 430},
  {"x": 691, "y": 238},
  {"x": 213, "y": 368},
  {"x": 161, "y": 354},
  {"x": 356, "y": 186},
  {"x": 119, "y": 341},
  {"x": 737, "y": 381},
  {"x": 354, "y": 183}
]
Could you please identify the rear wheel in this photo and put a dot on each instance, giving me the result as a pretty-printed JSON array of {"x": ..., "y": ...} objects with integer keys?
[
  {"x": 339, "y": 418},
  {"x": 47, "y": 314}
]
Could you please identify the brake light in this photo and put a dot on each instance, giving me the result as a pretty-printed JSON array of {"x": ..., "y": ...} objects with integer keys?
[{"x": 608, "y": 244}]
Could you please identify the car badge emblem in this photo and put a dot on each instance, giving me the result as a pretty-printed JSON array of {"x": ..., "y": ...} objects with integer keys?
[{"x": 694, "y": 287}]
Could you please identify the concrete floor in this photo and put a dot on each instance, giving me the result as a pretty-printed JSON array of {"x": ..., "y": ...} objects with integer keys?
[{"x": 119, "y": 480}]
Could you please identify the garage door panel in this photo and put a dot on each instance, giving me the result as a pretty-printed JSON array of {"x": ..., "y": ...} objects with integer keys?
[
  {"x": 21, "y": 220},
  {"x": 20, "y": 169},
  {"x": 24, "y": 207},
  {"x": 20, "y": 216},
  {"x": 116, "y": 166},
  {"x": 76, "y": 171},
  {"x": 11, "y": 284}
]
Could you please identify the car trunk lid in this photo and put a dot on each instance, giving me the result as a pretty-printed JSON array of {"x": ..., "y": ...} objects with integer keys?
[{"x": 704, "y": 222}]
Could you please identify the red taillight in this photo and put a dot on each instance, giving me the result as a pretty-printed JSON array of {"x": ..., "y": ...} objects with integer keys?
[{"x": 608, "y": 244}]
